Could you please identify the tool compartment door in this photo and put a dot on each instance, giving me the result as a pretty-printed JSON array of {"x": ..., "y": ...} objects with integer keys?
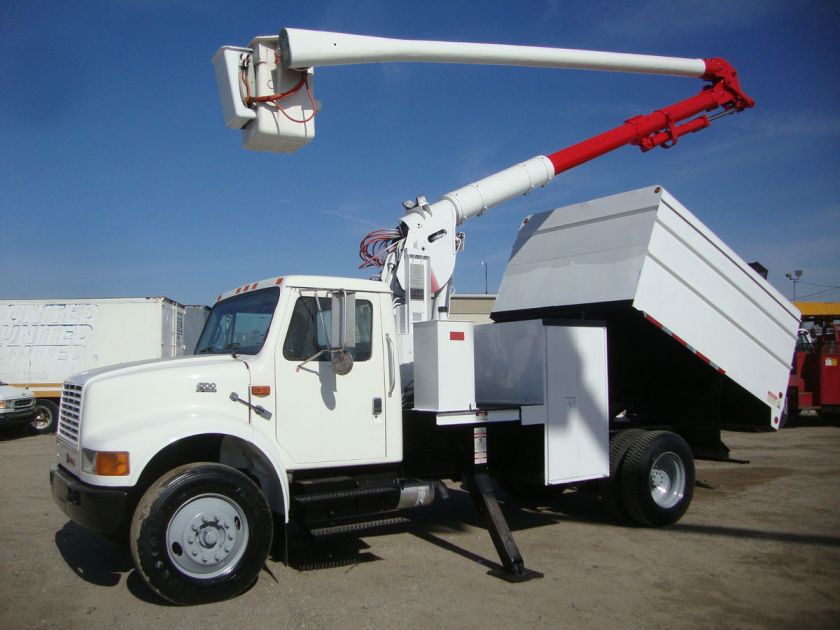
[{"x": 577, "y": 426}]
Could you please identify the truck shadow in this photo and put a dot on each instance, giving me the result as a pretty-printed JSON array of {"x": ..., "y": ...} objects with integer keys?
[
  {"x": 813, "y": 420},
  {"x": 101, "y": 562},
  {"x": 454, "y": 515},
  {"x": 458, "y": 512},
  {"x": 91, "y": 557},
  {"x": 15, "y": 432},
  {"x": 309, "y": 554}
]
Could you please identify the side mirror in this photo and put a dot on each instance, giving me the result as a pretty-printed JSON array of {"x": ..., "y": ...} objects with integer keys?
[
  {"x": 343, "y": 320},
  {"x": 343, "y": 331},
  {"x": 341, "y": 362}
]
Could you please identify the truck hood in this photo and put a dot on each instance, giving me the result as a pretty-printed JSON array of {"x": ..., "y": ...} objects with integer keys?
[
  {"x": 115, "y": 400},
  {"x": 149, "y": 365},
  {"x": 10, "y": 392}
]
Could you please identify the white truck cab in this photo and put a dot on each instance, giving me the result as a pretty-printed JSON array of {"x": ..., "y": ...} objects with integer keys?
[{"x": 271, "y": 390}]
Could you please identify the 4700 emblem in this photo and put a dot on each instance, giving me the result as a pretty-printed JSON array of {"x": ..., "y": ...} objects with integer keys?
[{"x": 206, "y": 387}]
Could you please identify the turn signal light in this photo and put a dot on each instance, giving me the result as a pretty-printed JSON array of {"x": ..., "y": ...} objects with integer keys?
[
  {"x": 105, "y": 463},
  {"x": 260, "y": 390},
  {"x": 112, "y": 464}
]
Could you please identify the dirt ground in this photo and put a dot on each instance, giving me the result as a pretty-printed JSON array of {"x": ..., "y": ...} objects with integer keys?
[{"x": 759, "y": 548}]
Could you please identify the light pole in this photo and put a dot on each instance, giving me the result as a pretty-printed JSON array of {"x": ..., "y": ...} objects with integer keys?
[
  {"x": 484, "y": 264},
  {"x": 794, "y": 277}
]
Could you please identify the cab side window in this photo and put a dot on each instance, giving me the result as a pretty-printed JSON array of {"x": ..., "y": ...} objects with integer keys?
[{"x": 309, "y": 330}]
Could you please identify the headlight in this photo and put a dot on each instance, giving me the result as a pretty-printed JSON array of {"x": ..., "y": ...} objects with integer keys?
[
  {"x": 5, "y": 404},
  {"x": 105, "y": 463}
]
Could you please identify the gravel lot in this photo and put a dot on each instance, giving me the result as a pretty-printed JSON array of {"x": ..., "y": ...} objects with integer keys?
[{"x": 759, "y": 548}]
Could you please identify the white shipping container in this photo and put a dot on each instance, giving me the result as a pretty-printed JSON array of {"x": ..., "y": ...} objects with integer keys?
[{"x": 42, "y": 342}]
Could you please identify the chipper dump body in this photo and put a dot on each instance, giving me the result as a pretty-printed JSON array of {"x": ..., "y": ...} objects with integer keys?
[{"x": 695, "y": 336}]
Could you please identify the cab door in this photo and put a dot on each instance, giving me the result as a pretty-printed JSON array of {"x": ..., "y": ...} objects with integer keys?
[{"x": 324, "y": 418}]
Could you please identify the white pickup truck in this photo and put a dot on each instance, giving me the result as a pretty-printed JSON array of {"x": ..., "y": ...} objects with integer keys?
[{"x": 17, "y": 406}]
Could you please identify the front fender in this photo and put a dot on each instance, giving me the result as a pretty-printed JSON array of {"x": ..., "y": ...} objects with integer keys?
[{"x": 156, "y": 434}]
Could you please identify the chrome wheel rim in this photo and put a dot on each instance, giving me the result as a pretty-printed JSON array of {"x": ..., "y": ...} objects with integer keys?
[
  {"x": 41, "y": 420},
  {"x": 207, "y": 536},
  {"x": 667, "y": 480}
]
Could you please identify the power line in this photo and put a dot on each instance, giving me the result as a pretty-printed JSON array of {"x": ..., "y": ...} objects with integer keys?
[
  {"x": 814, "y": 284},
  {"x": 820, "y": 293}
]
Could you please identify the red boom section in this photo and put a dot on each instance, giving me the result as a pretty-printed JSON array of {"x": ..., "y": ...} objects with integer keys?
[{"x": 662, "y": 128}]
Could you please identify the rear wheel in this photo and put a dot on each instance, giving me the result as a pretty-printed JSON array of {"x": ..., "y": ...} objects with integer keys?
[
  {"x": 608, "y": 488},
  {"x": 656, "y": 478},
  {"x": 45, "y": 418},
  {"x": 201, "y": 533}
]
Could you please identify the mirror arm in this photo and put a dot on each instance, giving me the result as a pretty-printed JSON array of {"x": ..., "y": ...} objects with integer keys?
[{"x": 312, "y": 358}]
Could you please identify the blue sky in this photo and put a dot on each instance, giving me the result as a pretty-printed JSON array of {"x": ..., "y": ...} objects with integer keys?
[{"x": 118, "y": 177}]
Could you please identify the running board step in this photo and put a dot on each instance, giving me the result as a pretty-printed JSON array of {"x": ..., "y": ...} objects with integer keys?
[
  {"x": 341, "y": 495},
  {"x": 349, "y": 528}
]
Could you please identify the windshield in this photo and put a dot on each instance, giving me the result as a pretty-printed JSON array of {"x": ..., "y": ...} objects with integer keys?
[{"x": 239, "y": 324}]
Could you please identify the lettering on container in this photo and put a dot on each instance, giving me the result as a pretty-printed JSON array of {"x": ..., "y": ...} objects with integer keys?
[{"x": 34, "y": 338}]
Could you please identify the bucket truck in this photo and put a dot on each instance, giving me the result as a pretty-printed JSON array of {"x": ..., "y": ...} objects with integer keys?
[{"x": 339, "y": 402}]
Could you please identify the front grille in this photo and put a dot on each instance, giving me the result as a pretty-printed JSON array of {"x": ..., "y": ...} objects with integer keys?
[
  {"x": 24, "y": 403},
  {"x": 70, "y": 416}
]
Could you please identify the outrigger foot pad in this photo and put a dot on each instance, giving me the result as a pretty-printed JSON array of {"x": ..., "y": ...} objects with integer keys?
[{"x": 522, "y": 576}]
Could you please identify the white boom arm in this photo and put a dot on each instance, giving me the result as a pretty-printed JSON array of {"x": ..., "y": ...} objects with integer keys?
[
  {"x": 266, "y": 88},
  {"x": 266, "y": 91},
  {"x": 301, "y": 49}
]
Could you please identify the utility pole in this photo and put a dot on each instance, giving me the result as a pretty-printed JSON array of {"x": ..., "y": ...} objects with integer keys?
[
  {"x": 794, "y": 277},
  {"x": 484, "y": 264}
]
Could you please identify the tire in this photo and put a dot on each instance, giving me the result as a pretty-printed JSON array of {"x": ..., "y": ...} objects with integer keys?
[
  {"x": 201, "y": 533},
  {"x": 608, "y": 488},
  {"x": 46, "y": 417},
  {"x": 656, "y": 478}
]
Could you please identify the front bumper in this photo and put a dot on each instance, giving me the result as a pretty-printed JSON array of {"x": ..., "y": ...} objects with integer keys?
[
  {"x": 98, "y": 509},
  {"x": 9, "y": 418}
]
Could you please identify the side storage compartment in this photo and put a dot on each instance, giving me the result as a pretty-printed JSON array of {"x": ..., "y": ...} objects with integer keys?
[
  {"x": 443, "y": 366},
  {"x": 557, "y": 373}
]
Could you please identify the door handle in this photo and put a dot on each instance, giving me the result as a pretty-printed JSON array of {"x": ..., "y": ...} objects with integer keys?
[{"x": 392, "y": 370}]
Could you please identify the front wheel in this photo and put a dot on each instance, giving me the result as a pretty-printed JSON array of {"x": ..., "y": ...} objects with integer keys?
[
  {"x": 656, "y": 478},
  {"x": 45, "y": 418},
  {"x": 201, "y": 533}
]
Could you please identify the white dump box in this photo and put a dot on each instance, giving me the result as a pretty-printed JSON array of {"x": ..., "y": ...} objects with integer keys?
[
  {"x": 680, "y": 306},
  {"x": 42, "y": 342}
]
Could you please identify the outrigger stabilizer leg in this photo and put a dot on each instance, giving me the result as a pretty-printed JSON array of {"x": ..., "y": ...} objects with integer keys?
[{"x": 481, "y": 491}]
